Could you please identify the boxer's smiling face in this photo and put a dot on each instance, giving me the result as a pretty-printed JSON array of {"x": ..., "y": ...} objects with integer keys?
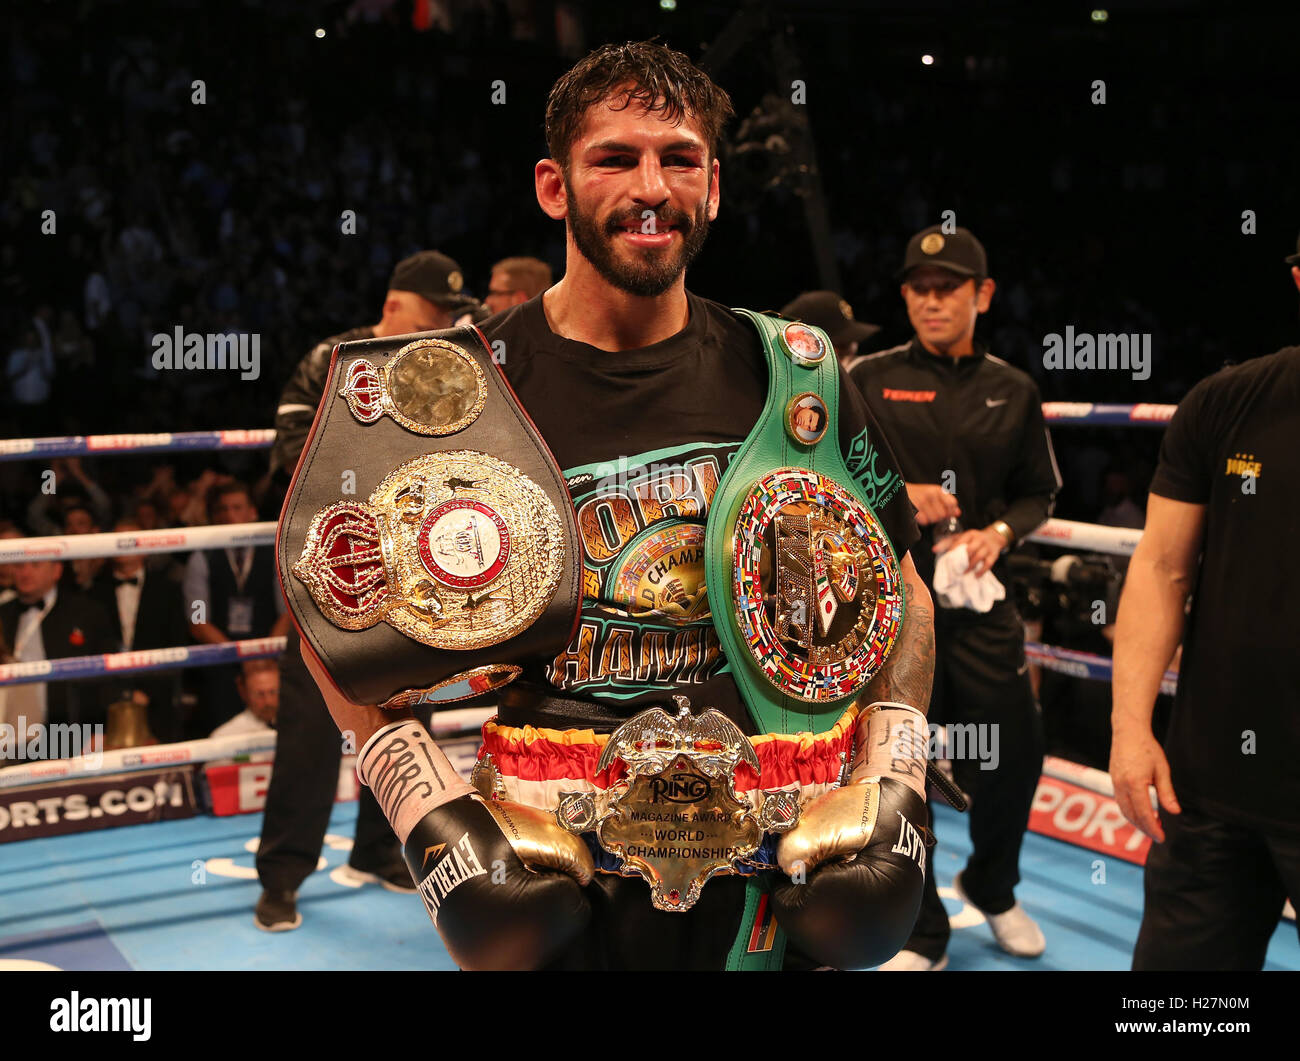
[{"x": 641, "y": 192}]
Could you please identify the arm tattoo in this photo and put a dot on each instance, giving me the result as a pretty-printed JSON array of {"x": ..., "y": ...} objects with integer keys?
[{"x": 908, "y": 673}]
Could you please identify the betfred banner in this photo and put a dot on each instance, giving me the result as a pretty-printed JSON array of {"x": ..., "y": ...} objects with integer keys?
[
  {"x": 1085, "y": 818},
  {"x": 96, "y": 803}
]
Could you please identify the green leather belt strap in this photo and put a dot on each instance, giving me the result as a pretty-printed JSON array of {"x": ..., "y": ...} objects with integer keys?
[
  {"x": 767, "y": 448},
  {"x": 740, "y": 958}
]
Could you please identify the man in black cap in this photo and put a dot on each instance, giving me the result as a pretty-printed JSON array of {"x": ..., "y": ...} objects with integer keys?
[
  {"x": 424, "y": 293},
  {"x": 828, "y": 310},
  {"x": 1221, "y": 518},
  {"x": 970, "y": 438}
]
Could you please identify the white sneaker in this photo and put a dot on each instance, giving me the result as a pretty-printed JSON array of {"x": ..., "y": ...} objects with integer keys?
[
  {"x": 394, "y": 880},
  {"x": 908, "y": 961},
  {"x": 1016, "y": 932}
]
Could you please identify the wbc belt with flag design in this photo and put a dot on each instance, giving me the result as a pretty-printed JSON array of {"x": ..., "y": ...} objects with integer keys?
[
  {"x": 428, "y": 540},
  {"x": 805, "y": 586}
]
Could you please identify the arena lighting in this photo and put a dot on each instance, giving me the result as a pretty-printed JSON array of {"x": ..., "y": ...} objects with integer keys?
[
  {"x": 668, "y": 5},
  {"x": 1100, "y": 14},
  {"x": 319, "y": 34},
  {"x": 927, "y": 60}
]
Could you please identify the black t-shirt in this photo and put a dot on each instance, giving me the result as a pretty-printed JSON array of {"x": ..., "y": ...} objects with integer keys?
[
  {"x": 1234, "y": 738},
  {"x": 643, "y": 438}
]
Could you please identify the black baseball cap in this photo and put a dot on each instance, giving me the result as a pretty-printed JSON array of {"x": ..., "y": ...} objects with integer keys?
[
  {"x": 829, "y": 311},
  {"x": 957, "y": 251},
  {"x": 432, "y": 276},
  {"x": 1294, "y": 259}
]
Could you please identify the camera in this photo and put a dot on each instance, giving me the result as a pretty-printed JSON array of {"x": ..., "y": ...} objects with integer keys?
[{"x": 1073, "y": 596}]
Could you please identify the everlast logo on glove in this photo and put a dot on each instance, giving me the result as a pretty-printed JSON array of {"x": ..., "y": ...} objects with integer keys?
[
  {"x": 459, "y": 864},
  {"x": 911, "y": 842},
  {"x": 531, "y": 904}
]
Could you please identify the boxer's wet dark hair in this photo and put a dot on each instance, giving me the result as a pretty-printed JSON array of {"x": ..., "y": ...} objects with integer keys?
[{"x": 660, "y": 79}]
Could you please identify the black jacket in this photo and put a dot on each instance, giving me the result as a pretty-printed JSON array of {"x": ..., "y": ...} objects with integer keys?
[
  {"x": 160, "y": 621},
  {"x": 975, "y": 416},
  {"x": 298, "y": 402},
  {"x": 75, "y": 626}
]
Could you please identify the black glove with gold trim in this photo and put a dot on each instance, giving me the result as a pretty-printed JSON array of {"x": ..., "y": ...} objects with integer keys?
[{"x": 856, "y": 860}]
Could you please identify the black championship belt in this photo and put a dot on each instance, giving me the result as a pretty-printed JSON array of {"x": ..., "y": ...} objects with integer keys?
[{"x": 428, "y": 540}]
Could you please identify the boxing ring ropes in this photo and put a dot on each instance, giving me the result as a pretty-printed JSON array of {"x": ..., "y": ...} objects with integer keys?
[{"x": 457, "y": 723}]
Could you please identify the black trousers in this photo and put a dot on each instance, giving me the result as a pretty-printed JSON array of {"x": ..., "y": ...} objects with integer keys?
[
  {"x": 1214, "y": 894},
  {"x": 303, "y": 782},
  {"x": 980, "y": 679}
]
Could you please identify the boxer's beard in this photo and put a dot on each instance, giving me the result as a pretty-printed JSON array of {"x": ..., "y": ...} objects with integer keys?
[{"x": 651, "y": 271}]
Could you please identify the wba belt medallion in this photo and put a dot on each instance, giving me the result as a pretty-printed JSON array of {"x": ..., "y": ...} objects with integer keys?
[
  {"x": 458, "y": 550},
  {"x": 817, "y": 590},
  {"x": 675, "y": 819}
]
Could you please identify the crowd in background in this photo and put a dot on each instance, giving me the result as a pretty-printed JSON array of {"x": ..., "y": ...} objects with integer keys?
[{"x": 273, "y": 198}]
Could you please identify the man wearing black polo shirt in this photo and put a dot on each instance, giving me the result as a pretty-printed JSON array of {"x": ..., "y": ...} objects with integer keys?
[
  {"x": 1227, "y": 851},
  {"x": 969, "y": 434}
]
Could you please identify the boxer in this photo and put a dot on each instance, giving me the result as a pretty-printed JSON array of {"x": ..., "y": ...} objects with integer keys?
[{"x": 718, "y": 552}]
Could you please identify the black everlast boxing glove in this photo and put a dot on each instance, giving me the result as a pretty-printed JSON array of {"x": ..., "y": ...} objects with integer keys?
[
  {"x": 856, "y": 860},
  {"x": 503, "y": 883}
]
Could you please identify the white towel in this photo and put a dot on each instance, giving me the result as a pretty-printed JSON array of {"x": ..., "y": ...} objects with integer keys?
[{"x": 955, "y": 587}]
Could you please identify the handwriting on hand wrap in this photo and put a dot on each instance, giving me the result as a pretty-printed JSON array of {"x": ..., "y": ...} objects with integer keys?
[
  {"x": 909, "y": 750},
  {"x": 396, "y": 775}
]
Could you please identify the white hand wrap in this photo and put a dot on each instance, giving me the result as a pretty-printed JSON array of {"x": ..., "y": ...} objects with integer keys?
[
  {"x": 892, "y": 741},
  {"x": 409, "y": 774}
]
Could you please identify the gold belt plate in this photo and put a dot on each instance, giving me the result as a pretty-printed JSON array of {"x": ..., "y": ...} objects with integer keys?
[{"x": 457, "y": 550}]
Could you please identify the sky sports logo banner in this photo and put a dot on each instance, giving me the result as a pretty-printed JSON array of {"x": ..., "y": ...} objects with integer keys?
[{"x": 97, "y": 803}]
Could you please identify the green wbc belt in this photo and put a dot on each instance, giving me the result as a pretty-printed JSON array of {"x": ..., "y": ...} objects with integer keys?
[{"x": 803, "y": 581}]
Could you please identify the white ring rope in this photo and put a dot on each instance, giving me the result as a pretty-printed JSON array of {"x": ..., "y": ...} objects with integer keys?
[
  {"x": 1092, "y": 537},
  {"x": 164, "y": 540},
  {"x": 1057, "y": 414}
]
